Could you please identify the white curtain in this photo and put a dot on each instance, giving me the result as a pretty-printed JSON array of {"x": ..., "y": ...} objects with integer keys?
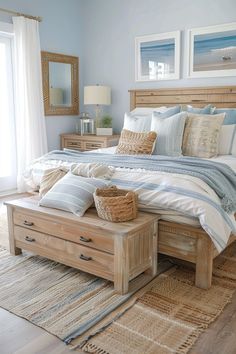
[{"x": 31, "y": 140}]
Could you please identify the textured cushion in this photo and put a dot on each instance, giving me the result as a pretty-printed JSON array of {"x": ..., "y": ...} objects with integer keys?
[
  {"x": 170, "y": 133},
  {"x": 49, "y": 178},
  {"x": 132, "y": 143},
  {"x": 72, "y": 193},
  {"x": 227, "y": 141},
  {"x": 201, "y": 135},
  {"x": 230, "y": 115},
  {"x": 144, "y": 111},
  {"x": 137, "y": 123},
  {"x": 205, "y": 110}
]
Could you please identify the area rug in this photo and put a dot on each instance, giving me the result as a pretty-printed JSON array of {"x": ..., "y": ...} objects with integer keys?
[
  {"x": 64, "y": 301},
  {"x": 170, "y": 315}
]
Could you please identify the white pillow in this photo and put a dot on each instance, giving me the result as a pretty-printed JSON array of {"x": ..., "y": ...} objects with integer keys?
[
  {"x": 137, "y": 123},
  {"x": 169, "y": 133},
  {"x": 142, "y": 111},
  {"x": 227, "y": 140}
]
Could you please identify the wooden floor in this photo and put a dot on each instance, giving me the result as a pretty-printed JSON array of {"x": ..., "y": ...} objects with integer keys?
[{"x": 18, "y": 336}]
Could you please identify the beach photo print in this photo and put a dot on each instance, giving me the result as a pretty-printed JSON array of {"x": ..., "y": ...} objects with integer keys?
[
  {"x": 157, "y": 57},
  {"x": 212, "y": 51}
]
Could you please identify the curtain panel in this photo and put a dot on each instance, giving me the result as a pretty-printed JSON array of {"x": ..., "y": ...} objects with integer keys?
[{"x": 31, "y": 139}]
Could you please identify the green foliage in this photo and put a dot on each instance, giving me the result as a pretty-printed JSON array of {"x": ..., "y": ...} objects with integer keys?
[{"x": 106, "y": 121}]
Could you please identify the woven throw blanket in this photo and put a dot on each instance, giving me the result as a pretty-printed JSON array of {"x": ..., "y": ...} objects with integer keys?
[{"x": 220, "y": 177}]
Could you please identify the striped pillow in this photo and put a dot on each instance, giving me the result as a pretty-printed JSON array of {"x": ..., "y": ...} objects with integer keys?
[
  {"x": 72, "y": 193},
  {"x": 170, "y": 133}
]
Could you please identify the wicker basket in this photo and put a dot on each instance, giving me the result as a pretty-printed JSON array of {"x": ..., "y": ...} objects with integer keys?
[{"x": 115, "y": 204}]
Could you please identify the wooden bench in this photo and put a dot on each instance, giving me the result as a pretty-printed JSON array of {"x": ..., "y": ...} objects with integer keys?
[{"x": 115, "y": 251}]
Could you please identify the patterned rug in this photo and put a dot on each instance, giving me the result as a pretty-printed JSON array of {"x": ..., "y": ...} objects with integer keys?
[
  {"x": 170, "y": 314},
  {"x": 64, "y": 301}
]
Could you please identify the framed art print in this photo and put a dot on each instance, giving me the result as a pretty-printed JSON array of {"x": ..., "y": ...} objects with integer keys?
[
  {"x": 157, "y": 57},
  {"x": 212, "y": 51}
]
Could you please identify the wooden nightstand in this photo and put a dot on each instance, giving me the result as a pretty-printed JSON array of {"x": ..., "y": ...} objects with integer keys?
[{"x": 88, "y": 142}]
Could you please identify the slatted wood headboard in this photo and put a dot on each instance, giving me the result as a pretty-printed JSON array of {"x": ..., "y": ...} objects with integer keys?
[{"x": 224, "y": 96}]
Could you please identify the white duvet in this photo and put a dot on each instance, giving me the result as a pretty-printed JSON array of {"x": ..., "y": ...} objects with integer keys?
[{"x": 176, "y": 197}]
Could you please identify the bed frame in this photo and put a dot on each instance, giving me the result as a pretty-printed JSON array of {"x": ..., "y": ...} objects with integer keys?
[{"x": 187, "y": 243}]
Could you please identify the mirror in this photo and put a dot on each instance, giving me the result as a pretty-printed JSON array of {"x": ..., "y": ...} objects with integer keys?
[{"x": 60, "y": 84}]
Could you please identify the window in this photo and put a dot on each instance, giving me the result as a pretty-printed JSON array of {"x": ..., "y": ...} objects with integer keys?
[{"x": 7, "y": 130}]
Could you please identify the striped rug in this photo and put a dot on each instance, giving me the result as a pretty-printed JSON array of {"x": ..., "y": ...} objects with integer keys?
[
  {"x": 64, "y": 301},
  {"x": 170, "y": 313}
]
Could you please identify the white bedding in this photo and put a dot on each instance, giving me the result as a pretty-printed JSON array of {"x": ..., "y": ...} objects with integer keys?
[{"x": 197, "y": 205}]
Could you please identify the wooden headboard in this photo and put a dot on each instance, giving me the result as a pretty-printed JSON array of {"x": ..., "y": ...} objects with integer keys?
[{"x": 224, "y": 96}]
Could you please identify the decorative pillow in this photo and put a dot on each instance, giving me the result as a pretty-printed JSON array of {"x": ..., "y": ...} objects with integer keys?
[
  {"x": 49, "y": 178},
  {"x": 201, "y": 135},
  {"x": 144, "y": 111},
  {"x": 95, "y": 170},
  {"x": 230, "y": 115},
  {"x": 227, "y": 140},
  {"x": 170, "y": 133},
  {"x": 132, "y": 143},
  {"x": 137, "y": 123},
  {"x": 170, "y": 111},
  {"x": 205, "y": 110},
  {"x": 72, "y": 193}
]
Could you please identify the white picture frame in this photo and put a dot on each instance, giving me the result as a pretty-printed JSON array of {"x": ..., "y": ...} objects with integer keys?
[
  {"x": 212, "y": 51},
  {"x": 157, "y": 57}
]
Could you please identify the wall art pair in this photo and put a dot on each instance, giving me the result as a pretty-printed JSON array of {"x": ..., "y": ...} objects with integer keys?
[{"x": 211, "y": 52}]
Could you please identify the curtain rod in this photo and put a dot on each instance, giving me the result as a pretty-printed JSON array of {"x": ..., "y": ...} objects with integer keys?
[{"x": 37, "y": 18}]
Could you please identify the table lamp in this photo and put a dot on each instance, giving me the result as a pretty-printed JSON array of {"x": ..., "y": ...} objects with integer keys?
[{"x": 99, "y": 96}]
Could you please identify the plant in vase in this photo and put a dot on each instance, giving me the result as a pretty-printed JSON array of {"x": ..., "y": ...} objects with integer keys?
[{"x": 105, "y": 126}]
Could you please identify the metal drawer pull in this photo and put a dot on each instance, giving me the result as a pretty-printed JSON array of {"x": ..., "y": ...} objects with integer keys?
[
  {"x": 29, "y": 239},
  {"x": 28, "y": 223},
  {"x": 84, "y": 239},
  {"x": 85, "y": 258}
]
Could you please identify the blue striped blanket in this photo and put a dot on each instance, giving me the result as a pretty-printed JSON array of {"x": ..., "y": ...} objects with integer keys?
[{"x": 220, "y": 177}]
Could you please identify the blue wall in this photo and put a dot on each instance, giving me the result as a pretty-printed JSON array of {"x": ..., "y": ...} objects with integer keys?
[
  {"x": 60, "y": 32},
  {"x": 108, "y": 40},
  {"x": 102, "y": 32}
]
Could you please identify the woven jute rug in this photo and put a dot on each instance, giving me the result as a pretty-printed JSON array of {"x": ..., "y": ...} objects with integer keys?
[{"x": 170, "y": 313}]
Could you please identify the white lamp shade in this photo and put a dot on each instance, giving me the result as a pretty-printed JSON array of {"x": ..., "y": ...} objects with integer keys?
[{"x": 97, "y": 95}]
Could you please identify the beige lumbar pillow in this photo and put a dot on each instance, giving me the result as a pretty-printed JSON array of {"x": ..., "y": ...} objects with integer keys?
[
  {"x": 95, "y": 170},
  {"x": 201, "y": 135},
  {"x": 49, "y": 178},
  {"x": 132, "y": 143}
]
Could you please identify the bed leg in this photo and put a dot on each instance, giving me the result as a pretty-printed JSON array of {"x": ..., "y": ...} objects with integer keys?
[
  {"x": 12, "y": 246},
  {"x": 204, "y": 262}
]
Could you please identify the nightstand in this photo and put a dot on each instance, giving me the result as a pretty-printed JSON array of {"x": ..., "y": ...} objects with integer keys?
[{"x": 88, "y": 142}]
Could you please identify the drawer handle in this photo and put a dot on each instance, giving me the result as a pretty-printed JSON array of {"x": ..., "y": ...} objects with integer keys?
[
  {"x": 29, "y": 239},
  {"x": 28, "y": 223},
  {"x": 85, "y": 258},
  {"x": 84, "y": 239}
]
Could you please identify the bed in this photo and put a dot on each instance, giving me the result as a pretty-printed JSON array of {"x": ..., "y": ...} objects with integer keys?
[
  {"x": 176, "y": 237},
  {"x": 184, "y": 242}
]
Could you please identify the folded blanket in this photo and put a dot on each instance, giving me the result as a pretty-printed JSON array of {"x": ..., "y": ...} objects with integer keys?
[{"x": 220, "y": 177}]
